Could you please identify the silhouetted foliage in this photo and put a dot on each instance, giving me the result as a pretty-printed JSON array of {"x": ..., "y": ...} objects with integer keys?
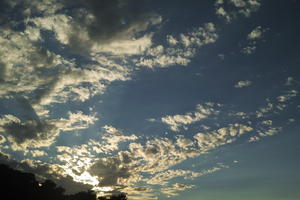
[
  {"x": 17, "y": 185},
  {"x": 121, "y": 196}
]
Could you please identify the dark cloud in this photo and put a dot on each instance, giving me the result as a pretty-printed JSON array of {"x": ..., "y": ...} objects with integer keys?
[
  {"x": 110, "y": 20},
  {"x": 21, "y": 132},
  {"x": 2, "y": 71},
  {"x": 109, "y": 170},
  {"x": 26, "y": 125}
]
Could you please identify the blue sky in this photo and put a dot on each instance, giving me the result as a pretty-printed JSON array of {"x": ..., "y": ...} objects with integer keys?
[{"x": 161, "y": 100}]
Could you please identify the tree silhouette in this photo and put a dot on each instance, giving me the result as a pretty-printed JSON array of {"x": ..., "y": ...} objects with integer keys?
[
  {"x": 17, "y": 185},
  {"x": 121, "y": 196}
]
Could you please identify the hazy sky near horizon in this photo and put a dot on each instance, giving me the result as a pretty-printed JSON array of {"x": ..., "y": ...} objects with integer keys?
[{"x": 158, "y": 99}]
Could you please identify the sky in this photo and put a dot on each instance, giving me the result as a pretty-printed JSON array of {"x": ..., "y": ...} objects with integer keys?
[{"x": 158, "y": 99}]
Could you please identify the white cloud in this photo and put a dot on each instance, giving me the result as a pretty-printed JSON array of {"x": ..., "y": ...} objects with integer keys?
[
  {"x": 230, "y": 9},
  {"x": 222, "y": 136},
  {"x": 256, "y": 33},
  {"x": 264, "y": 110},
  {"x": 253, "y": 37},
  {"x": 175, "y": 122},
  {"x": 220, "y": 11},
  {"x": 269, "y": 132},
  {"x": 38, "y": 153},
  {"x": 179, "y": 50},
  {"x": 288, "y": 96},
  {"x": 242, "y": 84}
]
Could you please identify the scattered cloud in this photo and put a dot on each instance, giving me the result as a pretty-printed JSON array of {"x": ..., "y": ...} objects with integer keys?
[
  {"x": 38, "y": 133},
  {"x": 287, "y": 96},
  {"x": 231, "y": 9},
  {"x": 253, "y": 37},
  {"x": 175, "y": 122},
  {"x": 96, "y": 44},
  {"x": 180, "y": 49},
  {"x": 248, "y": 50},
  {"x": 221, "y": 136},
  {"x": 175, "y": 188}
]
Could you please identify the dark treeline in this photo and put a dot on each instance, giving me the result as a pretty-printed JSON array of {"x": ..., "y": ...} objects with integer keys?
[{"x": 17, "y": 185}]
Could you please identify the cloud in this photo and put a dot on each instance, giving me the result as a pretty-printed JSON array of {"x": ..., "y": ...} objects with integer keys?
[
  {"x": 45, "y": 171},
  {"x": 2, "y": 139},
  {"x": 175, "y": 122},
  {"x": 159, "y": 154},
  {"x": 220, "y": 11},
  {"x": 242, "y": 84},
  {"x": 66, "y": 57},
  {"x": 162, "y": 178},
  {"x": 81, "y": 162},
  {"x": 180, "y": 49},
  {"x": 288, "y": 96},
  {"x": 102, "y": 26},
  {"x": 248, "y": 50},
  {"x": 175, "y": 188},
  {"x": 253, "y": 37},
  {"x": 110, "y": 171},
  {"x": 270, "y": 132},
  {"x": 222, "y": 136},
  {"x": 265, "y": 110},
  {"x": 110, "y": 140},
  {"x": 256, "y": 33},
  {"x": 32, "y": 133},
  {"x": 36, "y": 133},
  {"x": 44, "y": 77},
  {"x": 230, "y": 9}
]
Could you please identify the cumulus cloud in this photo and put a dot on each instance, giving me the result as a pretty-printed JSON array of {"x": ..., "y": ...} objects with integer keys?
[
  {"x": 180, "y": 49},
  {"x": 222, "y": 136},
  {"x": 253, "y": 37},
  {"x": 110, "y": 140},
  {"x": 44, "y": 77},
  {"x": 256, "y": 33},
  {"x": 175, "y": 122},
  {"x": 230, "y": 9},
  {"x": 111, "y": 170}
]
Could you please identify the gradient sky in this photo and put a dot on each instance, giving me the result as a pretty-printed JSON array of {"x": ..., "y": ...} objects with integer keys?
[{"x": 159, "y": 99}]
